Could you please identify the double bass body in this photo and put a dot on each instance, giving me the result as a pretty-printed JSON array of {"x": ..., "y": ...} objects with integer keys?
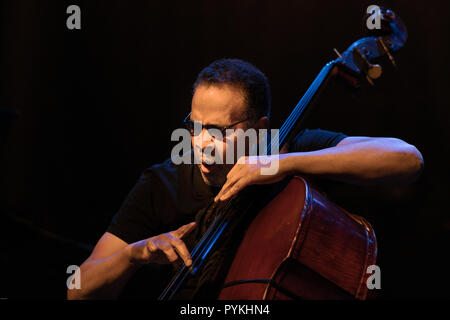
[{"x": 302, "y": 246}]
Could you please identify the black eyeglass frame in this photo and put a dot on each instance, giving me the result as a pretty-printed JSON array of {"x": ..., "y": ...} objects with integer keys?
[{"x": 189, "y": 124}]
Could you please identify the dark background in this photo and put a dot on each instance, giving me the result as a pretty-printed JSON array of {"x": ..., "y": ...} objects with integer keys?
[{"x": 93, "y": 108}]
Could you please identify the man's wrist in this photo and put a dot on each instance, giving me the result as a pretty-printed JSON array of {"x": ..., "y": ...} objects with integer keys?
[
  {"x": 289, "y": 164},
  {"x": 134, "y": 253}
]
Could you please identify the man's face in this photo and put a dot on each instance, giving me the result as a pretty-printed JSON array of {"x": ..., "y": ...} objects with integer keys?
[{"x": 218, "y": 105}]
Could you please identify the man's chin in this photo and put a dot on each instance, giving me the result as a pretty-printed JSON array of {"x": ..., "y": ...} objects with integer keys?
[{"x": 213, "y": 179}]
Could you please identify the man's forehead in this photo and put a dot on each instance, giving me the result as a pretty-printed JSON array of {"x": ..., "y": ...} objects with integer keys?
[{"x": 218, "y": 103}]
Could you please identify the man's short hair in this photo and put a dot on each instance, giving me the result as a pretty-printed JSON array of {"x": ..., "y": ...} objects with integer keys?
[{"x": 243, "y": 75}]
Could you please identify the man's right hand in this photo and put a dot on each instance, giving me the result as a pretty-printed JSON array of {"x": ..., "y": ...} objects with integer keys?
[{"x": 165, "y": 248}]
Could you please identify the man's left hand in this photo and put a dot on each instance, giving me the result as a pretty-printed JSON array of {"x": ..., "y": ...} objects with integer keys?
[{"x": 253, "y": 170}]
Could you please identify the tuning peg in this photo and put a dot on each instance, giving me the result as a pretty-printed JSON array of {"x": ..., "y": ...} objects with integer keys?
[
  {"x": 385, "y": 48},
  {"x": 337, "y": 53},
  {"x": 373, "y": 70}
]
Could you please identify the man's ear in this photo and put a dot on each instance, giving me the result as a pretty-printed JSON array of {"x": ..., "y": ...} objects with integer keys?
[{"x": 262, "y": 123}]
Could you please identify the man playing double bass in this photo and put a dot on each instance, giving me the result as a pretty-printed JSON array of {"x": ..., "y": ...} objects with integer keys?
[{"x": 159, "y": 212}]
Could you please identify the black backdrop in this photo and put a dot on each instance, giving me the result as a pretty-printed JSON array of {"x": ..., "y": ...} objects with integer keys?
[{"x": 96, "y": 106}]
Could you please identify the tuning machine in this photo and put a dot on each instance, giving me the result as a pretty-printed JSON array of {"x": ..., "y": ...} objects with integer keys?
[
  {"x": 373, "y": 71},
  {"x": 386, "y": 50}
]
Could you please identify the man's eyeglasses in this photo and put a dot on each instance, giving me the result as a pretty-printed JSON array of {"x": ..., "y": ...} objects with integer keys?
[{"x": 189, "y": 124}]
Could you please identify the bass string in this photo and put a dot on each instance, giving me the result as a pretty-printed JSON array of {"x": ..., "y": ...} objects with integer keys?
[
  {"x": 221, "y": 217},
  {"x": 210, "y": 232},
  {"x": 298, "y": 110},
  {"x": 196, "y": 253}
]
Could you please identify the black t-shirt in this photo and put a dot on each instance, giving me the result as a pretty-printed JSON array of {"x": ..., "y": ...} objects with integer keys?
[{"x": 167, "y": 196}]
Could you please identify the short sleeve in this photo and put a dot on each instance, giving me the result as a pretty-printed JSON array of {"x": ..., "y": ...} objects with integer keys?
[
  {"x": 136, "y": 218},
  {"x": 315, "y": 139}
]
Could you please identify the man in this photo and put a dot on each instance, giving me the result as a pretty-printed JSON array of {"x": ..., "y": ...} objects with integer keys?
[{"x": 158, "y": 213}]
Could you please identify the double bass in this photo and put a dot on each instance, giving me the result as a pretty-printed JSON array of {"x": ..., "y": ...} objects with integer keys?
[{"x": 301, "y": 245}]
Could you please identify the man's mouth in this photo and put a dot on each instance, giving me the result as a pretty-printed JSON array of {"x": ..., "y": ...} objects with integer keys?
[{"x": 208, "y": 168}]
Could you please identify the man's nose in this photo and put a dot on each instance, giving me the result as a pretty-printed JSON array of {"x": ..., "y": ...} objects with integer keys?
[
  {"x": 208, "y": 147},
  {"x": 207, "y": 139}
]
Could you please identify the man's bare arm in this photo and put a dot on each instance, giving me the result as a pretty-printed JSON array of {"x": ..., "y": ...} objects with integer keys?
[
  {"x": 361, "y": 161},
  {"x": 357, "y": 160},
  {"x": 113, "y": 262}
]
